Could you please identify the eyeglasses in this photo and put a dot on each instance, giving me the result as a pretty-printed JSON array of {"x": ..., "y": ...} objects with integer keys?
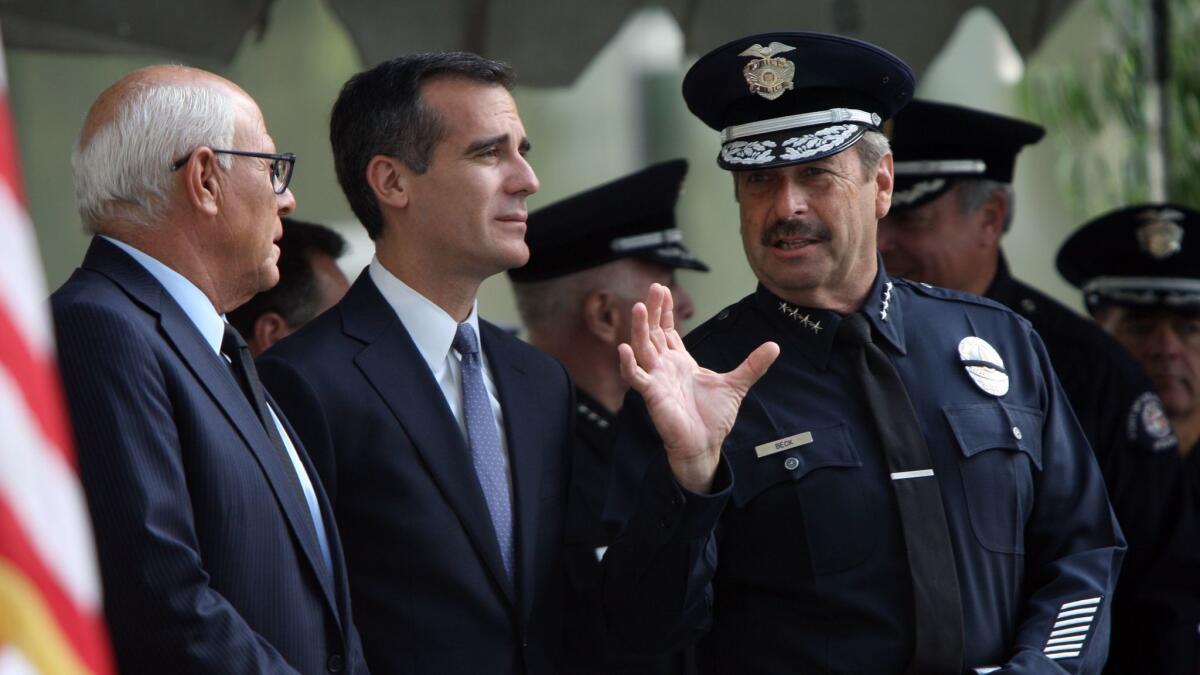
[{"x": 282, "y": 165}]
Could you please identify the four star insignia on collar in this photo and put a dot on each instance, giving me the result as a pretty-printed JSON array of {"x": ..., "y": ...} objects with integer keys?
[
  {"x": 887, "y": 297},
  {"x": 804, "y": 319}
]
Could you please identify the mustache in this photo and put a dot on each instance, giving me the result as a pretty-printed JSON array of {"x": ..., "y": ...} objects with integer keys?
[{"x": 794, "y": 227}]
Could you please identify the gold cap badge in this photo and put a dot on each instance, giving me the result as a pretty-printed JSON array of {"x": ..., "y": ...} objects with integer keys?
[
  {"x": 1160, "y": 236},
  {"x": 768, "y": 76}
]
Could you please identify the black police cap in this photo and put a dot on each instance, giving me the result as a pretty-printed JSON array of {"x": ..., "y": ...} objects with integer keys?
[
  {"x": 935, "y": 144},
  {"x": 1144, "y": 255},
  {"x": 787, "y": 98},
  {"x": 633, "y": 216}
]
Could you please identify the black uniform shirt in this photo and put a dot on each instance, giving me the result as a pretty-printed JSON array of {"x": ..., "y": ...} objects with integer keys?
[
  {"x": 812, "y": 573},
  {"x": 590, "y": 652},
  {"x": 1118, "y": 410}
]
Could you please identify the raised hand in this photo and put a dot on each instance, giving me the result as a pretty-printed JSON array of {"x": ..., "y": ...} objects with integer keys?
[{"x": 693, "y": 408}]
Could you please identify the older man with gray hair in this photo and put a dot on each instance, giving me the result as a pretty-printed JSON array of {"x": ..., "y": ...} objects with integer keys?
[{"x": 217, "y": 547}]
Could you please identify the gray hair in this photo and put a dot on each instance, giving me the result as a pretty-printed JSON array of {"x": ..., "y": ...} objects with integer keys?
[
  {"x": 554, "y": 304},
  {"x": 972, "y": 193},
  {"x": 124, "y": 169},
  {"x": 871, "y": 148}
]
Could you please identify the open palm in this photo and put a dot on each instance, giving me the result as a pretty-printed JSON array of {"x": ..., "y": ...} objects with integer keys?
[{"x": 692, "y": 408}]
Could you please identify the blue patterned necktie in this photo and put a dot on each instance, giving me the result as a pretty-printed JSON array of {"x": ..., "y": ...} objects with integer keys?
[{"x": 484, "y": 439}]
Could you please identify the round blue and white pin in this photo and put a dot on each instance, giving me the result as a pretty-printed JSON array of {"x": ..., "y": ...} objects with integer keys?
[{"x": 983, "y": 365}]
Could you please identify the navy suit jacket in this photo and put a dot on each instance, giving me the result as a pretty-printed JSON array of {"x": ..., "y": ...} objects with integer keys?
[
  {"x": 206, "y": 562},
  {"x": 425, "y": 571}
]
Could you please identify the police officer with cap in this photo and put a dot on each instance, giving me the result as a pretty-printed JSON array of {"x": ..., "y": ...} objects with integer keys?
[
  {"x": 952, "y": 203},
  {"x": 911, "y": 490},
  {"x": 591, "y": 257},
  {"x": 1139, "y": 270}
]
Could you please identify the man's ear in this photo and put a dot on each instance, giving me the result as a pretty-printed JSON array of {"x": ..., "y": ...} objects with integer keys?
[
  {"x": 993, "y": 214},
  {"x": 389, "y": 179},
  {"x": 269, "y": 328},
  {"x": 200, "y": 185},
  {"x": 884, "y": 182},
  {"x": 602, "y": 315}
]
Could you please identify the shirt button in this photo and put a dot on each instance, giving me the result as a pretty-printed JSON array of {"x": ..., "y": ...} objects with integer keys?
[
  {"x": 335, "y": 663},
  {"x": 791, "y": 463},
  {"x": 1017, "y": 433}
]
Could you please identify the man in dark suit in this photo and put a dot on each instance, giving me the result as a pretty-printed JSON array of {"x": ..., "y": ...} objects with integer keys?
[
  {"x": 448, "y": 462},
  {"x": 217, "y": 546}
]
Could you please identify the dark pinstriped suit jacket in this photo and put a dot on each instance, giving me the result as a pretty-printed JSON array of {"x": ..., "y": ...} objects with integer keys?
[{"x": 204, "y": 565}]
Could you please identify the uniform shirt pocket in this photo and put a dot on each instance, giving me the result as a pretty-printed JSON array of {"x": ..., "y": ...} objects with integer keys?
[
  {"x": 1001, "y": 447},
  {"x": 815, "y": 476}
]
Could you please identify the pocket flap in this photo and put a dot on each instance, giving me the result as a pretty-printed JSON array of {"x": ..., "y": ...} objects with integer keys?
[
  {"x": 803, "y": 451},
  {"x": 984, "y": 426}
]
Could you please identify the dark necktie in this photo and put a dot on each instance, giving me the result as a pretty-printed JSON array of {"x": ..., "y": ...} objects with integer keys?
[
  {"x": 487, "y": 453},
  {"x": 241, "y": 363},
  {"x": 938, "y": 605}
]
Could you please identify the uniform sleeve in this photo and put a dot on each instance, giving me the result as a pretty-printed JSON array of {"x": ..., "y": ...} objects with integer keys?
[
  {"x": 1074, "y": 548},
  {"x": 657, "y": 578},
  {"x": 161, "y": 612}
]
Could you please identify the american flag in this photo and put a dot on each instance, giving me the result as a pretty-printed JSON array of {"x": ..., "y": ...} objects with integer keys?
[{"x": 50, "y": 611}]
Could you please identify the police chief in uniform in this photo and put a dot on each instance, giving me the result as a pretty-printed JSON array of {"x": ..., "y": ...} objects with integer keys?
[
  {"x": 592, "y": 256},
  {"x": 952, "y": 203},
  {"x": 1139, "y": 270},
  {"x": 911, "y": 490}
]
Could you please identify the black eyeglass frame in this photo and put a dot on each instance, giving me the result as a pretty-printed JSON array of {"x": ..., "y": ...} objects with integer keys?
[{"x": 275, "y": 158}]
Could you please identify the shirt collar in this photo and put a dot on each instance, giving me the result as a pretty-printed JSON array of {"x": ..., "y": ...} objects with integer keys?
[
  {"x": 431, "y": 328},
  {"x": 194, "y": 303},
  {"x": 1002, "y": 289},
  {"x": 815, "y": 329}
]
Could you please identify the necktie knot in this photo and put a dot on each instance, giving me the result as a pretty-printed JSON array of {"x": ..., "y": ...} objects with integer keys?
[
  {"x": 464, "y": 340},
  {"x": 854, "y": 330},
  {"x": 232, "y": 342}
]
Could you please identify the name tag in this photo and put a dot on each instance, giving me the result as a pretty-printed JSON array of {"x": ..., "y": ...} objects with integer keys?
[{"x": 783, "y": 444}]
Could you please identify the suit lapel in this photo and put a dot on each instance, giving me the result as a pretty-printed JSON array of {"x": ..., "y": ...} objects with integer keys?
[
  {"x": 526, "y": 444},
  {"x": 392, "y": 364},
  {"x": 217, "y": 380}
]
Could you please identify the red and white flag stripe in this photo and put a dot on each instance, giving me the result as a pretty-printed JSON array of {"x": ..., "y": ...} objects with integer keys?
[{"x": 50, "y": 611}]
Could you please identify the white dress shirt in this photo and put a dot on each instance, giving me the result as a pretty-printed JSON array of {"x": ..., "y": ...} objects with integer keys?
[
  {"x": 432, "y": 330},
  {"x": 200, "y": 310}
]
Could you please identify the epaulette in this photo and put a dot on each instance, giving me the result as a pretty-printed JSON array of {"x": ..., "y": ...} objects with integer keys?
[
  {"x": 939, "y": 293},
  {"x": 721, "y": 321}
]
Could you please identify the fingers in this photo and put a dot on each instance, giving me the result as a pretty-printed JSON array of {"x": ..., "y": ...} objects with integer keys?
[
  {"x": 668, "y": 310},
  {"x": 754, "y": 367},
  {"x": 639, "y": 338},
  {"x": 633, "y": 375},
  {"x": 655, "y": 305}
]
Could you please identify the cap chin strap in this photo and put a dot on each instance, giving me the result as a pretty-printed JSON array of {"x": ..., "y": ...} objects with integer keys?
[
  {"x": 831, "y": 116},
  {"x": 940, "y": 167},
  {"x": 1171, "y": 291},
  {"x": 647, "y": 240}
]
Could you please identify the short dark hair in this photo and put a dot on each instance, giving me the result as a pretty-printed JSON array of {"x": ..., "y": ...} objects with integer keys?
[
  {"x": 295, "y": 296},
  {"x": 380, "y": 112}
]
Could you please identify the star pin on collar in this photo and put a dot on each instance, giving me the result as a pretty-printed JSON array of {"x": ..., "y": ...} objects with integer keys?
[{"x": 796, "y": 315}]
